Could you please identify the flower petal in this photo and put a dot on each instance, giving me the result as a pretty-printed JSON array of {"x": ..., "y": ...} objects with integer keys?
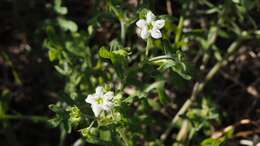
[
  {"x": 155, "y": 33},
  {"x": 150, "y": 17},
  {"x": 144, "y": 33},
  {"x": 90, "y": 99},
  {"x": 96, "y": 109},
  {"x": 107, "y": 106},
  {"x": 138, "y": 31},
  {"x": 99, "y": 91},
  {"x": 158, "y": 24},
  {"x": 141, "y": 23},
  {"x": 109, "y": 95}
]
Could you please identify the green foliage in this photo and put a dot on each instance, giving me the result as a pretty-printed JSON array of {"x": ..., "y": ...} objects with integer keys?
[
  {"x": 218, "y": 141},
  {"x": 61, "y": 119},
  {"x": 201, "y": 117},
  {"x": 74, "y": 115},
  {"x": 144, "y": 78},
  {"x": 212, "y": 142}
]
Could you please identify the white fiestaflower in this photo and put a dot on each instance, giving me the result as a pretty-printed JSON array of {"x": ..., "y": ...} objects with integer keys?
[
  {"x": 150, "y": 26},
  {"x": 100, "y": 101}
]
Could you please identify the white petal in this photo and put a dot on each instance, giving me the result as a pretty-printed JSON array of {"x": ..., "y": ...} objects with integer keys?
[
  {"x": 150, "y": 17},
  {"x": 96, "y": 109},
  {"x": 141, "y": 23},
  {"x": 90, "y": 99},
  {"x": 144, "y": 33},
  {"x": 99, "y": 91},
  {"x": 109, "y": 95},
  {"x": 158, "y": 24},
  {"x": 156, "y": 33},
  {"x": 138, "y": 31},
  {"x": 107, "y": 106}
]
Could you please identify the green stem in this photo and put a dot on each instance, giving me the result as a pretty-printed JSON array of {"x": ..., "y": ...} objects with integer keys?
[
  {"x": 91, "y": 124},
  {"x": 62, "y": 135},
  {"x": 148, "y": 46},
  {"x": 123, "y": 31}
]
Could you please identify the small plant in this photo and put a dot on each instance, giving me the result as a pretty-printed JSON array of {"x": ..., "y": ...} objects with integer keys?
[{"x": 143, "y": 77}]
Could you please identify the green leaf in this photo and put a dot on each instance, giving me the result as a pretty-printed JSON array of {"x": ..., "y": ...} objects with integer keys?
[
  {"x": 178, "y": 67},
  {"x": 156, "y": 143},
  {"x": 105, "y": 135},
  {"x": 64, "y": 70},
  {"x": 55, "y": 49},
  {"x": 54, "y": 122},
  {"x": 59, "y": 9},
  {"x": 179, "y": 30},
  {"x": 236, "y": 1},
  {"x": 74, "y": 49},
  {"x": 212, "y": 142},
  {"x": 104, "y": 53},
  {"x": 121, "y": 52},
  {"x": 61, "y": 117},
  {"x": 161, "y": 92},
  {"x": 159, "y": 86},
  {"x": 117, "y": 58},
  {"x": 53, "y": 54},
  {"x": 142, "y": 13},
  {"x": 68, "y": 25}
]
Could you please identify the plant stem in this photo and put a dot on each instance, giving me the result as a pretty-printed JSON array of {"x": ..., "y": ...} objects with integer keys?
[
  {"x": 183, "y": 133},
  {"x": 199, "y": 86},
  {"x": 123, "y": 31},
  {"x": 148, "y": 46},
  {"x": 62, "y": 135}
]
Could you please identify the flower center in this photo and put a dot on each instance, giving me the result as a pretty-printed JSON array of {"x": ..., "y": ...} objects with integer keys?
[
  {"x": 99, "y": 100},
  {"x": 150, "y": 26}
]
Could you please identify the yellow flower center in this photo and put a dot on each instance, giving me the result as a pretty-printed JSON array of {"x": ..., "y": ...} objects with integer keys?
[{"x": 99, "y": 100}]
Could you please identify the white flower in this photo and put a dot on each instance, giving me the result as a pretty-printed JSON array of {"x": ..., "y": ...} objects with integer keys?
[
  {"x": 100, "y": 101},
  {"x": 150, "y": 26}
]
